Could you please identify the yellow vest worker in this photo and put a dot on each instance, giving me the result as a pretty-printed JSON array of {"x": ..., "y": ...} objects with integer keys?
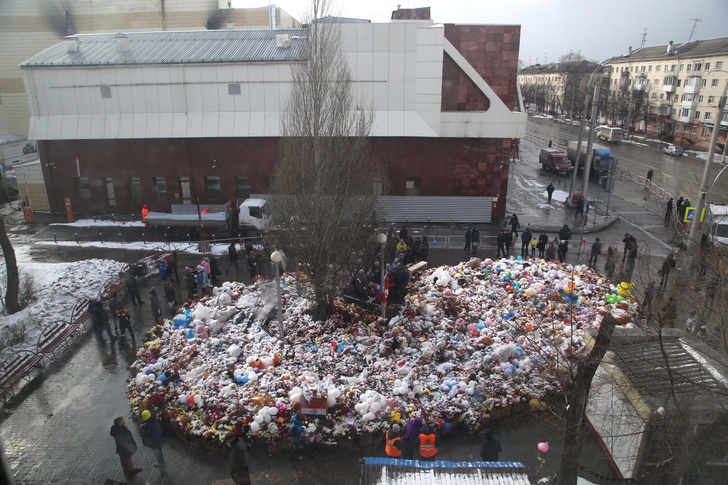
[
  {"x": 394, "y": 445},
  {"x": 429, "y": 443}
]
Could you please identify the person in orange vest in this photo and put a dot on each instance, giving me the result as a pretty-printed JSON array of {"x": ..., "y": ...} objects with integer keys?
[
  {"x": 394, "y": 443},
  {"x": 429, "y": 443},
  {"x": 145, "y": 213},
  {"x": 206, "y": 211}
]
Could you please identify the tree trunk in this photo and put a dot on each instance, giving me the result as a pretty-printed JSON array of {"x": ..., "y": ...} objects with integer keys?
[
  {"x": 11, "y": 266},
  {"x": 569, "y": 465}
]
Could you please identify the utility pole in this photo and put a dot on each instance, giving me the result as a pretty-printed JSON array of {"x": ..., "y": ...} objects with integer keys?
[{"x": 644, "y": 38}]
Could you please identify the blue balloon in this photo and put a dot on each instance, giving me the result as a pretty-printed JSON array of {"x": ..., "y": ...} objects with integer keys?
[
  {"x": 509, "y": 371},
  {"x": 520, "y": 258},
  {"x": 434, "y": 242},
  {"x": 191, "y": 333},
  {"x": 447, "y": 425}
]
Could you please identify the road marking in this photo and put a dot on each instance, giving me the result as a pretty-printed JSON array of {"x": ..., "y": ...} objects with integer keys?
[{"x": 641, "y": 228}]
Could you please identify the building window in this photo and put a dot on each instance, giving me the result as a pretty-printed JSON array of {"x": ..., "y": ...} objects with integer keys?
[
  {"x": 679, "y": 81},
  {"x": 690, "y": 67},
  {"x": 707, "y": 66},
  {"x": 233, "y": 89},
  {"x": 714, "y": 84},
  {"x": 83, "y": 188},
  {"x": 719, "y": 65},
  {"x": 105, "y": 92},
  {"x": 412, "y": 186},
  {"x": 672, "y": 67},
  {"x": 697, "y": 114},
  {"x": 684, "y": 112},
  {"x": 214, "y": 189},
  {"x": 668, "y": 97},
  {"x": 700, "y": 99},
  {"x": 707, "y": 115},
  {"x": 643, "y": 69},
  {"x": 160, "y": 187},
  {"x": 698, "y": 66},
  {"x": 711, "y": 99},
  {"x": 135, "y": 188},
  {"x": 682, "y": 67},
  {"x": 694, "y": 131},
  {"x": 661, "y": 95},
  {"x": 705, "y": 82},
  {"x": 110, "y": 195},
  {"x": 658, "y": 68},
  {"x": 242, "y": 185},
  {"x": 649, "y": 68}
]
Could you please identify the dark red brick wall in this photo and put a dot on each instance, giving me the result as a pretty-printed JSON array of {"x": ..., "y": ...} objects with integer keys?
[
  {"x": 492, "y": 50},
  {"x": 411, "y": 14},
  {"x": 445, "y": 166}
]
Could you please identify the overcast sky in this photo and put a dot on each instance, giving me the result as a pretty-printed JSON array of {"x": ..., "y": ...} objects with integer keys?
[{"x": 551, "y": 28}]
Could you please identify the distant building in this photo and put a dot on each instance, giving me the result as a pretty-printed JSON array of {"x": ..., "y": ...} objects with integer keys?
[
  {"x": 679, "y": 86},
  {"x": 170, "y": 117},
  {"x": 557, "y": 88}
]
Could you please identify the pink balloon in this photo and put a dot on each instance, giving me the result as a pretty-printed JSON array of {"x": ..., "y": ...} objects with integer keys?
[{"x": 544, "y": 447}]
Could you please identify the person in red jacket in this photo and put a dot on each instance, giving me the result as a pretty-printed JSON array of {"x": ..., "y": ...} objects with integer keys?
[{"x": 145, "y": 213}]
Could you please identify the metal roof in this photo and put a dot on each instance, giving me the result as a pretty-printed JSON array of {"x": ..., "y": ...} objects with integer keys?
[
  {"x": 693, "y": 372},
  {"x": 560, "y": 68},
  {"x": 201, "y": 46},
  {"x": 696, "y": 48},
  {"x": 390, "y": 471}
]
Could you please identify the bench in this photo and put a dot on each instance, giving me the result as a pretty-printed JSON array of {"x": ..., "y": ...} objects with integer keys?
[
  {"x": 16, "y": 368},
  {"x": 79, "y": 313},
  {"x": 55, "y": 334}
]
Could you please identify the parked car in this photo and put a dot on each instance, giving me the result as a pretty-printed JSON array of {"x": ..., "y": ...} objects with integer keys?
[{"x": 674, "y": 150}]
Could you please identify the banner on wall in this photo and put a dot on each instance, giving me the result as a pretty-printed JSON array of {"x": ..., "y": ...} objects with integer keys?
[{"x": 20, "y": 152}]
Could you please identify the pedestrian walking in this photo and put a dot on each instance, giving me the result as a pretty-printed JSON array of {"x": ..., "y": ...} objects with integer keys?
[
  {"x": 563, "y": 249},
  {"x": 115, "y": 304},
  {"x": 152, "y": 436},
  {"x": 543, "y": 240},
  {"x": 668, "y": 211},
  {"x": 190, "y": 281},
  {"x": 475, "y": 239},
  {"x": 214, "y": 270},
  {"x": 163, "y": 270},
  {"x": 253, "y": 265},
  {"x": 525, "y": 241},
  {"x": 468, "y": 239},
  {"x": 627, "y": 240},
  {"x": 550, "y": 143},
  {"x": 679, "y": 207},
  {"x": 403, "y": 233},
  {"x": 550, "y": 190},
  {"x": 233, "y": 258},
  {"x": 429, "y": 443},
  {"x": 156, "y": 306},
  {"x": 596, "y": 250},
  {"x": 515, "y": 225},
  {"x": 611, "y": 265},
  {"x": 649, "y": 297},
  {"x": 684, "y": 209},
  {"x": 393, "y": 443},
  {"x": 298, "y": 436},
  {"x": 133, "y": 289},
  {"x": 412, "y": 437},
  {"x": 650, "y": 173},
  {"x": 239, "y": 470},
  {"x": 501, "y": 241},
  {"x": 691, "y": 325},
  {"x": 491, "y": 447},
  {"x": 550, "y": 252},
  {"x": 125, "y": 445},
  {"x": 565, "y": 233},
  {"x": 100, "y": 320},
  {"x": 632, "y": 256},
  {"x": 171, "y": 297},
  {"x": 667, "y": 266}
]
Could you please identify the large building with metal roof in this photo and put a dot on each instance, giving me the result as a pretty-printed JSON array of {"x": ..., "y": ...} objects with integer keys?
[{"x": 170, "y": 117}]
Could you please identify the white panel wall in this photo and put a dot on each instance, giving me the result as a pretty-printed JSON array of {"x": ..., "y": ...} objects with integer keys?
[{"x": 396, "y": 68}]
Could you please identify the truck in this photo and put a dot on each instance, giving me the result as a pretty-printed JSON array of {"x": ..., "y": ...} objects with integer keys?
[
  {"x": 554, "y": 160},
  {"x": 719, "y": 215},
  {"x": 601, "y": 157},
  {"x": 186, "y": 217}
]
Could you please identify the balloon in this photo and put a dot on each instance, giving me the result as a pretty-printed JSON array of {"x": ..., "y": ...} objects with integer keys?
[
  {"x": 534, "y": 403},
  {"x": 254, "y": 427},
  {"x": 190, "y": 400},
  {"x": 441, "y": 422},
  {"x": 434, "y": 242},
  {"x": 544, "y": 447},
  {"x": 447, "y": 425},
  {"x": 198, "y": 399}
]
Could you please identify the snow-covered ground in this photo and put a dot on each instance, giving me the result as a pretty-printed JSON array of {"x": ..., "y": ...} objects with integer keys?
[{"x": 98, "y": 223}]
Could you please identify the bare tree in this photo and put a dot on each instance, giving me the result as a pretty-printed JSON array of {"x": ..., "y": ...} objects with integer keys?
[
  {"x": 572, "y": 57},
  {"x": 11, "y": 267},
  {"x": 324, "y": 204}
]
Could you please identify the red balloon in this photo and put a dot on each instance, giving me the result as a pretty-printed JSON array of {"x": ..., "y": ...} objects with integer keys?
[{"x": 441, "y": 422}]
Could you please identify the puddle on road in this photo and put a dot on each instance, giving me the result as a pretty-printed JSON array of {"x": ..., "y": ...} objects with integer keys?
[{"x": 75, "y": 393}]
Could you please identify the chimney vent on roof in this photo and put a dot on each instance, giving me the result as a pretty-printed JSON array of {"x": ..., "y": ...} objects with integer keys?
[
  {"x": 73, "y": 45},
  {"x": 122, "y": 42},
  {"x": 630, "y": 50},
  {"x": 669, "y": 48},
  {"x": 283, "y": 41}
]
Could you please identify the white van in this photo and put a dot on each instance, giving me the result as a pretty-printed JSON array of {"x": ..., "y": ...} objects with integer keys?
[{"x": 612, "y": 134}]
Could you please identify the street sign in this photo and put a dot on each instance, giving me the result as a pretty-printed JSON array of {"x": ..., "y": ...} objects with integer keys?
[
  {"x": 2, "y": 167},
  {"x": 690, "y": 214}
]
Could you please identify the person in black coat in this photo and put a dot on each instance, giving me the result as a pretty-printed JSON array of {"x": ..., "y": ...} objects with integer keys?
[
  {"x": 100, "y": 320},
  {"x": 239, "y": 461},
  {"x": 491, "y": 447},
  {"x": 508, "y": 240},
  {"x": 515, "y": 225},
  {"x": 550, "y": 190},
  {"x": 526, "y": 237},
  {"x": 543, "y": 240},
  {"x": 233, "y": 256},
  {"x": 501, "y": 240},
  {"x": 565, "y": 233},
  {"x": 468, "y": 236},
  {"x": 125, "y": 445},
  {"x": 170, "y": 296},
  {"x": 152, "y": 436},
  {"x": 133, "y": 289}
]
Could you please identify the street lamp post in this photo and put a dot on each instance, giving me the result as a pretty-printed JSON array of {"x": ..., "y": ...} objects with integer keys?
[
  {"x": 276, "y": 257},
  {"x": 382, "y": 240}
]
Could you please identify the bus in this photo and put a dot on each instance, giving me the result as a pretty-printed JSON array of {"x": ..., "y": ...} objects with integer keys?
[{"x": 612, "y": 134}]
